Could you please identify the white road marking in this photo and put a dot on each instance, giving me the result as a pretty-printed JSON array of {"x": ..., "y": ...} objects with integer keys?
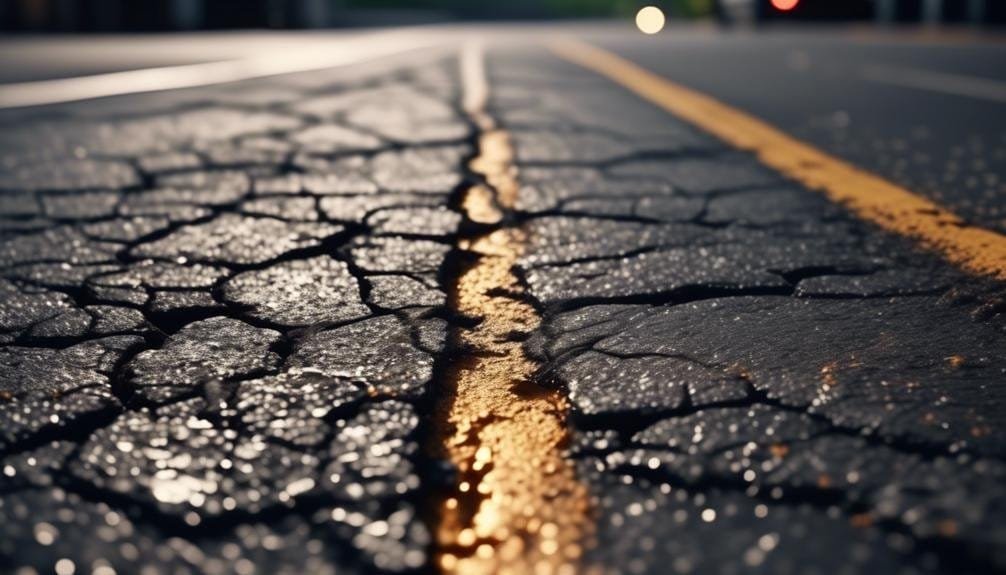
[
  {"x": 474, "y": 79},
  {"x": 955, "y": 84},
  {"x": 352, "y": 51}
]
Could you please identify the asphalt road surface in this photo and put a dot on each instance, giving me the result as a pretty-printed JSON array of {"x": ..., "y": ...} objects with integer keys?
[
  {"x": 925, "y": 112},
  {"x": 436, "y": 305}
]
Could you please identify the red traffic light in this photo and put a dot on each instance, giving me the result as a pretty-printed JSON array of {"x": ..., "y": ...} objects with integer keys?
[{"x": 784, "y": 5}]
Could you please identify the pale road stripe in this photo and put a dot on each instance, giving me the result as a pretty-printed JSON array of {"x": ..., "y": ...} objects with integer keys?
[
  {"x": 867, "y": 195},
  {"x": 922, "y": 35},
  {"x": 955, "y": 84},
  {"x": 474, "y": 79},
  {"x": 352, "y": 51}
]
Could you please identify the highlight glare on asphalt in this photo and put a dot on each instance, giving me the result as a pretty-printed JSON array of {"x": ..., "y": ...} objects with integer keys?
[{"x": 650, "y": 20}]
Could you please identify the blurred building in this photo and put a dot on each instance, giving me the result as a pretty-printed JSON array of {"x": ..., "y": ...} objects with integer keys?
[
  {"x": 152, "y": 15},
  {"x": 976, "y": 12},
  {"x": 155, "y": 15}
]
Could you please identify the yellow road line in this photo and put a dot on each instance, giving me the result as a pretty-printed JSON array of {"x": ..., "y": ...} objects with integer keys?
[{"x": 871, "y": 197}]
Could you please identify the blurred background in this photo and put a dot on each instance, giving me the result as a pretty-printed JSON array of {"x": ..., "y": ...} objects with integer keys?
[{"x": 169, "y": 15}]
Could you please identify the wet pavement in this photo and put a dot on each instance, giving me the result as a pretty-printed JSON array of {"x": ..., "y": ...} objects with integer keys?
[
  {"x": 472, "y": 313},
  {"x": 924, "y": 111}
]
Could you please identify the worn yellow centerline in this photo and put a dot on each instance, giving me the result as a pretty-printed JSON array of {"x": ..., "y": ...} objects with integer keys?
[
  {"x": 871, "y": 197},
  {"x": 517, "y": 507}
]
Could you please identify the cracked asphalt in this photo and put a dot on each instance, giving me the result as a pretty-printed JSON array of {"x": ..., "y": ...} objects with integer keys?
[{"x": 243, "y": 329}]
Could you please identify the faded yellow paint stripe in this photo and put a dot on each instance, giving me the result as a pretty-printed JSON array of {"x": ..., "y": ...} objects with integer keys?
[
  {"x": 871, "y": 197},
  {"x": 517, "y": 507}
]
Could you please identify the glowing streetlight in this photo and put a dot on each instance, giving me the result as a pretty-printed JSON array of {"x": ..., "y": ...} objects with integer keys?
[{"x": 650, "y": 20}]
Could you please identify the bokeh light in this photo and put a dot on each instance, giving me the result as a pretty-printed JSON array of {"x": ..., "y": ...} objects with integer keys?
[
  {"x": 650, "y": 20},
  {"x": 784, "y": 5}
]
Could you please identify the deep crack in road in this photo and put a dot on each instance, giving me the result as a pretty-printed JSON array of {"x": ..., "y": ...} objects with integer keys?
[{"x": 444, "y": 314}]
